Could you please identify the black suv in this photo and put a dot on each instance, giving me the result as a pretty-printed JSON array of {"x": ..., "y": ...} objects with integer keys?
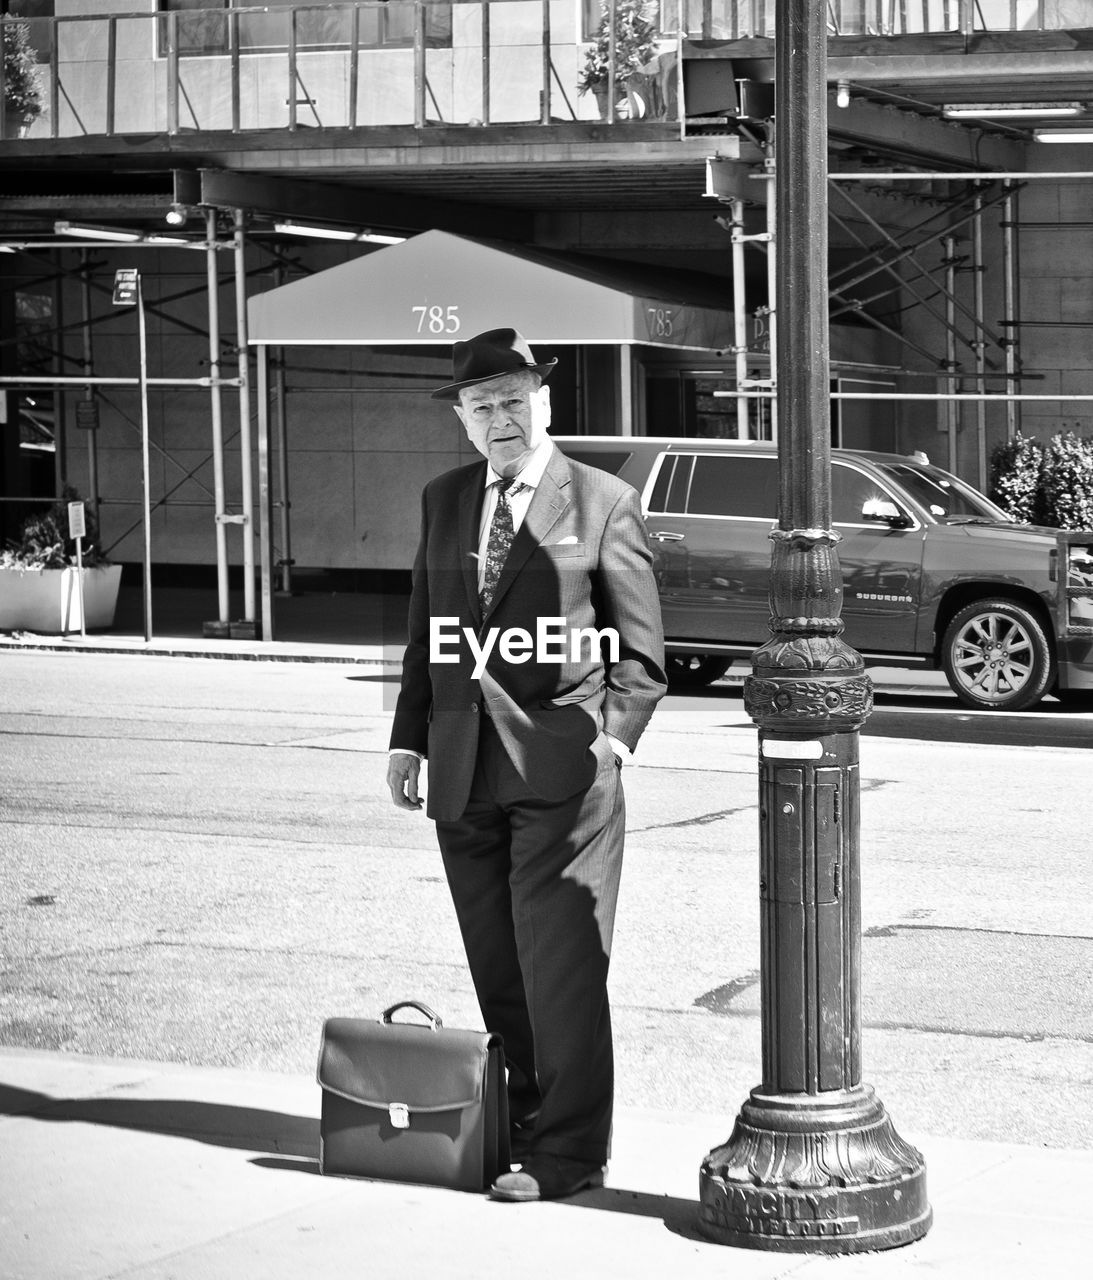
[{"x": 934, "y": 575}]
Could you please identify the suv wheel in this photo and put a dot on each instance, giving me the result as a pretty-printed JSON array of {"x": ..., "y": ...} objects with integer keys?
[
  {"x": 997, "y": 657},
  {"x": 692, "y": 670}
]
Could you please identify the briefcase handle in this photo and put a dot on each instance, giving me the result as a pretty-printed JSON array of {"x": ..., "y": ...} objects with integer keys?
[{"x": 414, "y": 1004}]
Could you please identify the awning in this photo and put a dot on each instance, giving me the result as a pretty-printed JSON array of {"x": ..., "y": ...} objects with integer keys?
[{"x": 438, "y": 287}]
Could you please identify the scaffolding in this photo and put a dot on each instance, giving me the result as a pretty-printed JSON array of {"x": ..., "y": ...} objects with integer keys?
[
  {"x": 225, "y": 512},
  {"x": 979, "y": 364},
  {"x": 994, "y": 350}
]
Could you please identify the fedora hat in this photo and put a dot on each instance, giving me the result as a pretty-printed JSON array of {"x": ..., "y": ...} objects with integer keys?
[{"x": 488, "y": 355}]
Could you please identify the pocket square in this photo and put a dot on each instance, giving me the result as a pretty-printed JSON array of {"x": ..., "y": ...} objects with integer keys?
[{"x": 565, "y": 542}]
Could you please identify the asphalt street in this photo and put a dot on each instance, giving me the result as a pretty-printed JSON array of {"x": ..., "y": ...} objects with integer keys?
[{"x": 201, "y": 863}]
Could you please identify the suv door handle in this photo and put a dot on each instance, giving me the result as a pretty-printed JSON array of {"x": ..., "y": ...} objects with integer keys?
[{"x": 667, "y": 537}]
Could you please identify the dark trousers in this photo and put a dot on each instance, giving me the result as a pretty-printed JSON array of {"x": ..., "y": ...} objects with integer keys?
[{"x": 535, "y": 885}]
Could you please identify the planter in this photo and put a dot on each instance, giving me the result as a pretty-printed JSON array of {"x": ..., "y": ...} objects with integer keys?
[
  {"x": 48, "y": 600},
  {"x": 629, "y": 104},
  {"x": 599, "y": 92}
]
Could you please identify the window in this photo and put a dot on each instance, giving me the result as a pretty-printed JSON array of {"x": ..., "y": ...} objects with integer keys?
[
  {"x": 944, "y": 496},
  {"x": 673, "y": 481},
  {"x": 850, "y": 491},
  {"x": 204, "y": 27},
  {"x": 717, "y": 485},
  {"x": 592, "y": 13},
  {"x": 741, "y": 487},
  {"x": 37, "y": 13}
]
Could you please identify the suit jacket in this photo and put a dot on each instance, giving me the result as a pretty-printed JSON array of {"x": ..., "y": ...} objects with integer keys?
[{"x": 581, "y": 554}]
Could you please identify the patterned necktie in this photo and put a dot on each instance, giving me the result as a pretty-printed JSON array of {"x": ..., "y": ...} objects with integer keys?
[{"x": 500, "y": 540}]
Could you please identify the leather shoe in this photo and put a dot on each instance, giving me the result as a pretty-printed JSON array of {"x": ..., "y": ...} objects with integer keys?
[{"x": 546, "y": 1177}]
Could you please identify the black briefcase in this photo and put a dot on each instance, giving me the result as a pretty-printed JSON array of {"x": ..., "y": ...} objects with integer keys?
[{"x": 411, "y": 1103}]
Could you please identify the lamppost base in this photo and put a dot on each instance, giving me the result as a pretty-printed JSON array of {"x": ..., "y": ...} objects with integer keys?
[{"x": 807, "y": 1174}]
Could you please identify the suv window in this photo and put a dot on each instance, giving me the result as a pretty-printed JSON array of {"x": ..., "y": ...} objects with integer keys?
[
  {"x": 943, "y": 495},
  {"x": 850, "y": 490},
  {"x": 716, "y": 485},
  {"x": 673, "y": 481}
]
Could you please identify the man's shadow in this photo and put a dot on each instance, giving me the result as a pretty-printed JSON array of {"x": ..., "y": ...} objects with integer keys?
[
  {"x": 291, "y": 1143},
  {"x": 218, "y": 1124}
]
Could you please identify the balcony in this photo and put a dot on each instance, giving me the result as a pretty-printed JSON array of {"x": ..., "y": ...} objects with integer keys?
[
  {"x": 422, "y": 64},
  {"x": 751, "y": 19},
  {"x": 340, "y": 66}
]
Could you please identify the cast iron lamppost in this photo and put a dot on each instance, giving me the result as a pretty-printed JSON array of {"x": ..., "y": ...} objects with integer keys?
[{"x": 813, "y": 1164}]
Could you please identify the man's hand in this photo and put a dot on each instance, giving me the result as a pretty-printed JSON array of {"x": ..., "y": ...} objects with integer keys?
[{"x": 402, "y": 776}]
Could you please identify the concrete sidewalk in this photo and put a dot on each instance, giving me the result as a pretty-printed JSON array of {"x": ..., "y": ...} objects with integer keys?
[
  {"x": 312, "y": 627},
  {"x": 153, "y": 1170}
]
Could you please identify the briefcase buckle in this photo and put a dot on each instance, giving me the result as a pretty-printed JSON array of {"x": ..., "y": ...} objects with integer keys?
[{"x": 399, "y": 1114}]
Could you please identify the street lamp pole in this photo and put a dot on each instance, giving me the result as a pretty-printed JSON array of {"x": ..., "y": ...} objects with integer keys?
[{"x": 813, "y": 1164}]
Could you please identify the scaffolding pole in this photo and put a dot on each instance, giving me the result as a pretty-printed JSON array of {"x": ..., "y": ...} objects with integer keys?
[
  {"x": 265, "y": 541},
  {"x": 740, "y": 314},
  {"x": 1011, "y": 293},
  {"x": 216, "y": 410},
  {"x": 246, "y": 477},
  {"x": 60, "y": 437},
  {"x": 986, "y": 396},
  {"x": 89, "y": 391},
  {"x": 49, "y": 380},
  {"x": 772, "y": 288},
  {"x": 902, "y": 175},
  {"x": 280, "y": 444},
  {"x": 952, "y": 412},
  {"x": 145, "y": 463},
  {"x": 980, "y": 346}
]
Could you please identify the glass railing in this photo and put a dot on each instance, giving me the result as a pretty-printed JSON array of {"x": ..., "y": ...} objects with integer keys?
[
  {"x": 411, "y": 62},
  {"x": 414, "y": 62},
  {"x": 729, "y": 20}
]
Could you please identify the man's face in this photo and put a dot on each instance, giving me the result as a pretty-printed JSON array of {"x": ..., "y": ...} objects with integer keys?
[{"x": 506, "y": 419}]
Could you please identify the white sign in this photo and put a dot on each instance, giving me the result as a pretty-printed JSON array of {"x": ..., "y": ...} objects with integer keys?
[
  {"x": 126, "y": 287},
  {"x": 781, "y": 749},
  {"x": 437, "y": 320},
  {"x": 77, "y": 525}
]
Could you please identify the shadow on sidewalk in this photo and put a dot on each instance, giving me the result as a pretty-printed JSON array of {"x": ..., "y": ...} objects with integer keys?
[
  {"x": 245, "y": 1128},
  {"x": 292, "y": 1142},
  {"x": 678, "y": 1215}
]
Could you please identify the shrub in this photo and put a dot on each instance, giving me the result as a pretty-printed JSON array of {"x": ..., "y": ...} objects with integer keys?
[
  {"x": 635, "y": 42},
  {"x": 1068, "y": 482},
  {"x": 43, "y": 541},
  {"x": 22, "y": 86},
  {"x": 1016, "y": 482},
  {"x": 1050, "y": 485}
]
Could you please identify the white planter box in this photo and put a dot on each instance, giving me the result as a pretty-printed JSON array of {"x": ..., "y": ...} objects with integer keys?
[{"x": 48, "y": 600}]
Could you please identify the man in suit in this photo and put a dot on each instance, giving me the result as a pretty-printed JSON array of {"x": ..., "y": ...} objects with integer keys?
[{"x": 524, "y": 734}]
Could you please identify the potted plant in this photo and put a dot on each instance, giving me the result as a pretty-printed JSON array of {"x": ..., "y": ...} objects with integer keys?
[
  {"x": 40, "y": 582},
  {"x": 22, "y": 84},
  {"x": 635, "y": 47}
]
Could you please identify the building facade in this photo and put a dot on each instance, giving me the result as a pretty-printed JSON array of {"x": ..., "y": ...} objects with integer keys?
[{"x": 602, "y": 176}]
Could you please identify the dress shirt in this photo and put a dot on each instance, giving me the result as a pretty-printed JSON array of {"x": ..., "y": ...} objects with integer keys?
[{"x": 525, "y": 482}]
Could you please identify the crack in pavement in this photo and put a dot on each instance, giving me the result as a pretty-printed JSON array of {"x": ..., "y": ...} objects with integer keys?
[{"x": 702, "y": 820}]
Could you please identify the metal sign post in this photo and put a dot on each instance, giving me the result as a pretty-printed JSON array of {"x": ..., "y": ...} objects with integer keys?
[
  {"x": 77, "y": 528},
  {"x": 127, "y": 293}
]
